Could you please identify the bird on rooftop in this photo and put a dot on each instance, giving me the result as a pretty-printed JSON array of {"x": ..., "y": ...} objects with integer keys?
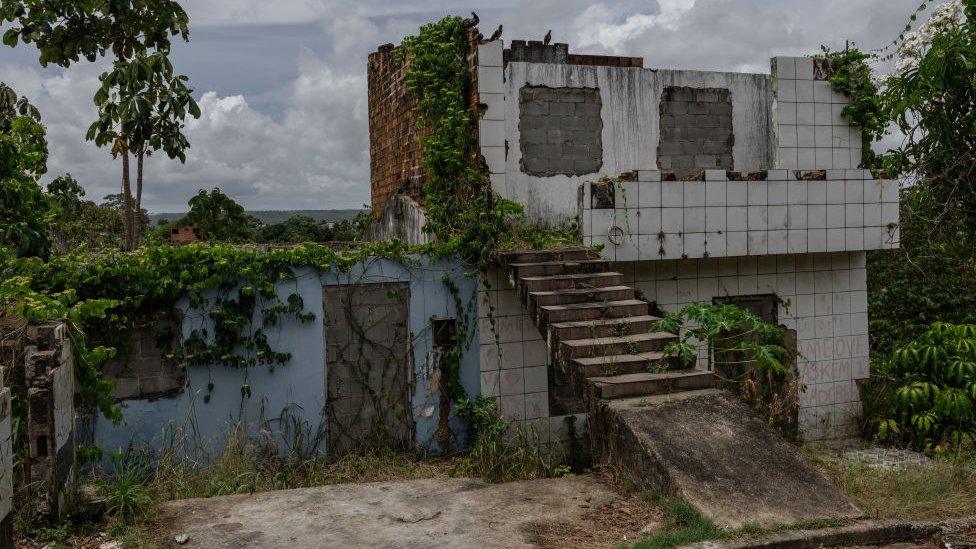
[
  {"x": 496, "y": 35},
  {"x": 548, "y": 38},
  {"x": 473, "y": 22}
]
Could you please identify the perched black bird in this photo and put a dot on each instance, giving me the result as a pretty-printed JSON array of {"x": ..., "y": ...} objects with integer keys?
[
  {"x": 496, "y": 35},
  {"x": 548, "y": 38},
  {"x": 473, "y": 22}
]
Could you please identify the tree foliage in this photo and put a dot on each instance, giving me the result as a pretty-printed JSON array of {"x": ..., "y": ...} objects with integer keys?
[
  {"x": 141, "y": 102},
  {"x": 64, "y": 31},
  {"x": 23, "y": 159},
  {"x": 219, "y": 217},
  {"x": 76, "y": 222}
]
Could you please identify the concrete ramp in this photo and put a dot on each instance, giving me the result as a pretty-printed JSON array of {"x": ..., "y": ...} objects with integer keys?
[{"x": 708, "y": 448}]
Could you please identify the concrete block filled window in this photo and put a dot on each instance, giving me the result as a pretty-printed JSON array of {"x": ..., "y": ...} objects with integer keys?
[
  {"x": 560, "y": 131},
  {"x": 696, "y": 130}
]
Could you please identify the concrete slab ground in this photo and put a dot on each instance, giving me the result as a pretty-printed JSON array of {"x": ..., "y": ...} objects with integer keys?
[{"x": 440, "y": 512}]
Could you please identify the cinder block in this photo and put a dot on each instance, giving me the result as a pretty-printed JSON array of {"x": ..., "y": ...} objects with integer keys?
[{"x": 737, "y": 218}]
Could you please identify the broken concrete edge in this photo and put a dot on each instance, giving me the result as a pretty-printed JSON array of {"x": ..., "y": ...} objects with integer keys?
[{"x": 858, "y": 533}]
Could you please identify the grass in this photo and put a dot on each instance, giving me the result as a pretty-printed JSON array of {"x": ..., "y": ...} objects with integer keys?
[
  {"x": 682, "y": 525},
  {"x": 941, "y": 490}
]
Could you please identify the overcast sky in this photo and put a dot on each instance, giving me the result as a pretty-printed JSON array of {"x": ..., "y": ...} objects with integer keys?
[{"x": 282, "y": 84}]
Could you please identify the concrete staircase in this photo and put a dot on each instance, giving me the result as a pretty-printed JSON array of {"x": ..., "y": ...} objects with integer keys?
[
  {"x": 598, "y": 332},
  {"x": 666, "y": 427}
]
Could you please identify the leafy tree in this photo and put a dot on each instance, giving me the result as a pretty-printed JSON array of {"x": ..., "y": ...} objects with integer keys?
[
  {"x": 930, "y": 97},
  {"x": 77, "y": 222},
  {"x": 218, "y": 217},
  {"x": 23, "y": 159},
  {"x": 141, "y": 103},
  {"x": 296, "y": 229}
]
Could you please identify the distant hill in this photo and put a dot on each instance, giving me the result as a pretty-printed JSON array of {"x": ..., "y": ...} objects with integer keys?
[{"x": 271, "y": 216}]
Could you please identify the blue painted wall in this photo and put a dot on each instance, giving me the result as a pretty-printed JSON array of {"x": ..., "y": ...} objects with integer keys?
[{"x": 297, "y": 390}]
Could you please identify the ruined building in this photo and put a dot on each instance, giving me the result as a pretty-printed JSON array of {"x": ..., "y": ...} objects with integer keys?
[{"x": 740, "y": 188}]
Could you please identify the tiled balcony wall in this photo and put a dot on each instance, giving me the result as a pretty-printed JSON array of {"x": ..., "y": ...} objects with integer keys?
[{"x": 651, "y": 219}]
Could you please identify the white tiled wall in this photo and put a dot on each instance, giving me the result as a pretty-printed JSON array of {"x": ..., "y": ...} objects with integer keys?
[
  {"x": 849, "y": 211},
  {"x": 491, "y": 93},
  {"x": 514, "y": 369},
  {"x": 824, "y": 299},
  {"x": 810, "y": 130}
]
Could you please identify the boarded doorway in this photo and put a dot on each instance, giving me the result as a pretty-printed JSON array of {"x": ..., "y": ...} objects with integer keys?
[{"x": 369, "y": 371}]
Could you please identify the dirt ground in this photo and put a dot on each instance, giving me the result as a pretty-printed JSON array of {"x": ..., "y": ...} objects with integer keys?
[{"x": 578, "y": 511}]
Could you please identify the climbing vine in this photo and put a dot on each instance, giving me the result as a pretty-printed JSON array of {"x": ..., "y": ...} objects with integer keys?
[
  {"x": 236, "y": 284},
  {"x": 850, "y": 74}
]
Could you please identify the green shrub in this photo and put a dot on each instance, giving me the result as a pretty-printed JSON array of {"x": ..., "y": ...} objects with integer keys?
[{"x": 934, "y": 377}]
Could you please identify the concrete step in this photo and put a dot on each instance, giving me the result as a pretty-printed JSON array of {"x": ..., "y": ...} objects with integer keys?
[
  {"x": 611, "y": 346},
  {"x": 711, "y": 450},
  {"x": 548, "y": 268},
  {"x": 540, "y": 256},
  {"x": 611, "y": 365},
  {"x": 549, "y": 314},
  {"x": 647, "y": 384},
  {"x": 584, "y": 295},
  {"x": 585, "y": 329},
  {"x": 568, "y": 281}
]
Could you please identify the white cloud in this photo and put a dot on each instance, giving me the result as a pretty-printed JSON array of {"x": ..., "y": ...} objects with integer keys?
[{"x": 605, "y": 27}]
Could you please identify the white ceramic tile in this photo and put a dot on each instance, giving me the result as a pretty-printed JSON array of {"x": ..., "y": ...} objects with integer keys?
[
  {"x": 797, "y": 241},
  {"x": 672, "y": 220},
  {"x": 737, "y": 193},
  {"x": 715, "y": 192},
  {"x": 694, "y": 220},
  {"x": 736, "y": 243},
  {"x": 649, "y": 194},
  {"x": 804, "y": 68},
  {"x": 715, "y": 219},
  {"x": 784, "y": 67},
  {"x": 694, "y": 193},
  {"x": 786, "y": 91},
  {"x": 806, "y": 158},
  {"x": 758, "y": 218},
  {"x": 806, "y": 136},
  {"x": 816, "y": 192},
  {"x": 836, "y": 192},
  {"x": 757, "y": 242},
  {"x": 737, "y": 218},
  {"x": 825, "y": 158},
  {"x": 804, "y": 91},
  {"x": 854, "y": 216},
  {"x": 649, "y": 221},
  {"x": 778, "y": 217},
  {"x": 836, "y": 240},
  {"x": 672, "y": 194},
  {"x": 777, "y": 242},
  {"x": 797, "y": 217},
  {"x": 816, "y": 216}
]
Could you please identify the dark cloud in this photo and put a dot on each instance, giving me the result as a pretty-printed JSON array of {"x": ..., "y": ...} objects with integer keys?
[{"x": 283, "y": 86}]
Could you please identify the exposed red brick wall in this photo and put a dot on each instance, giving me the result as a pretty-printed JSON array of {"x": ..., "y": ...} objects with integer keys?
[{"x": 395, "y": 153}]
